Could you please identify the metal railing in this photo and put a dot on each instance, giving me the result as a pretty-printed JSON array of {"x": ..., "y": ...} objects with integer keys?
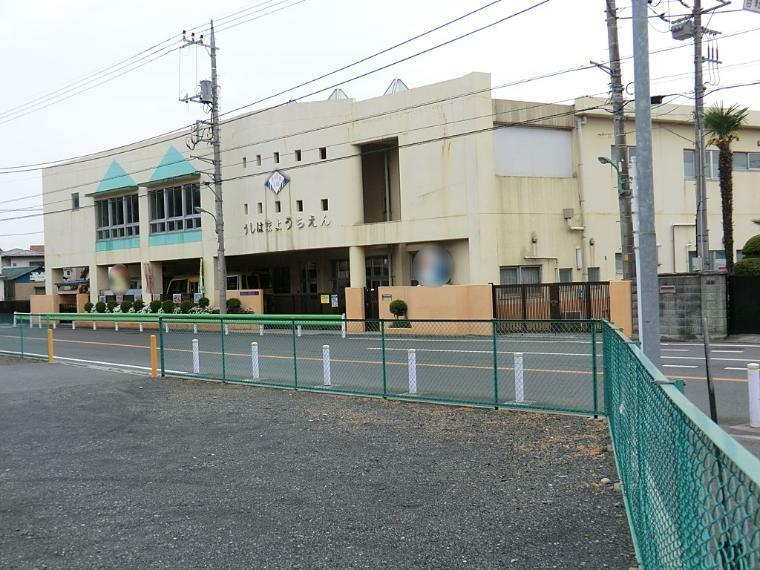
[{"x": 691, "y": 491}]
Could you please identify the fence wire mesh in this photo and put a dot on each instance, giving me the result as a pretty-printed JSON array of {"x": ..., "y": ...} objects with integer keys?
[{"x": 691, "y": 491}]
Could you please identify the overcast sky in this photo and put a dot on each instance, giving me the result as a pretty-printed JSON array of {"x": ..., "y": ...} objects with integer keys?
[{"x": 48, "y": 44}]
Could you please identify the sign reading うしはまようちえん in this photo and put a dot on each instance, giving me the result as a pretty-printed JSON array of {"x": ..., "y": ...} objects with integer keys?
[{"x": 287, "y": 223}]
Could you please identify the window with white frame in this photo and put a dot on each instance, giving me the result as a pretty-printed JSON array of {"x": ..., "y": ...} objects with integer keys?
[
  {"x": 173, "y": 209},
  {"x": 520, "y": 275},
  {"x": 712, "y": 169},
  {"x": 117, "y": 217},
  {"x": 746, "y": 160}
]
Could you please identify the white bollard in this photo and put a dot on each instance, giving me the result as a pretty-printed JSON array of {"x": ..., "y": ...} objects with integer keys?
[
  {"x": 31, "y": 322},
  {"x": 94, "y": 325},
  {"x": 326, "y": 375},
  {"x": 343, "y": 326},
  {"x": 195, "y": 328},
  {"x": 226, "y": 329},
  {"x": 519, "y": 380},
  {"x": 196, "y": 357},
  {"x": 39, "y": 322},
  {"x": 166, "y": 328},
  {"x": 55, "y": 324},
  {"x": 753, "y": 383},
  {"x": 73, "y": 325},
  {"x": 261, "y": 330},
  {"x": 116, "y": 326},
  {"x": 412, "y": 360},
  {"x": 298, "y": 330},
  {"x": 14, "y": 320},
  {"x": 255, "y": 360},
  {"x": 141, "y": 327}
]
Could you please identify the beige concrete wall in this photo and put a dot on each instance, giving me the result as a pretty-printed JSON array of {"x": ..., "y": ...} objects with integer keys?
[
  {"x": 251, "y": 299},
  {"x": 621, "y": 306},
  {"x": 43, "y": 303},
  {"x": 447, "y": 302}
]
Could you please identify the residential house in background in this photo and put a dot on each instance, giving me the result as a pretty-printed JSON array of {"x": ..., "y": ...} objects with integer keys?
[{"x": 22, "y": 273}]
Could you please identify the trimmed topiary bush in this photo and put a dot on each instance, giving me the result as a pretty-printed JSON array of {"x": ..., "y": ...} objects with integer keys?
[
  {"x": 138, "y": 305},
  {"x": 88, "y": 307},
  {"x": 233, "y": 306},
  {"x": 100, "y": 307},
  {"x": 203, "y": 302},
  {"x": 747, "y": 266},
  {"x": 155, "y": 306},
  {"x": 185, "y": 307},
  {"x": 752, "y": 247},
  {"x": 111, "y": 305},
  {"x": 125, "y": 306},
  {"x": 167, "y": 306},
  {"x": 398, "y": 308}
]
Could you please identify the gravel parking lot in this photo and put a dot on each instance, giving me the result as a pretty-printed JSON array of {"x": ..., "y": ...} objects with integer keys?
[{"x": 105, "y": 469}]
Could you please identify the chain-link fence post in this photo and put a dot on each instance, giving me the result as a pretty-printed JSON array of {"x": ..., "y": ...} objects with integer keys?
[
  {"x": 593, "y": 368},
  {"x": 224, "y": 359},
  {"x": 295, "y": 354},
  {"x": 382, "y": 349},
  {"x": 495, "y": 367}
]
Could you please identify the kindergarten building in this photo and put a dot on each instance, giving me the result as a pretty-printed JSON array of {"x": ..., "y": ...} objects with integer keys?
[{"x": 328, "y": 195}]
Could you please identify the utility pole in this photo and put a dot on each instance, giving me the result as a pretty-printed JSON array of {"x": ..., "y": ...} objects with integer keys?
[
  {"x": 212, "y": 99},
  {"x": 621, "y": 145},
  {"x": 648, "y": 286},
  {"x": 703, "y": 241}
]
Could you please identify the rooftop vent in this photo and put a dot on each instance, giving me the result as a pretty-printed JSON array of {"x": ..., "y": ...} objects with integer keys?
[{"x": 396, "y": 86}]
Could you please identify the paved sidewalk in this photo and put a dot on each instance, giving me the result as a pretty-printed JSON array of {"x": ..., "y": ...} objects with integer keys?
[{"x": 103, "y": 469}]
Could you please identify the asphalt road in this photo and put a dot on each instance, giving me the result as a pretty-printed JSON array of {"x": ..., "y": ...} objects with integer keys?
[{"x": 106, "y": 469}]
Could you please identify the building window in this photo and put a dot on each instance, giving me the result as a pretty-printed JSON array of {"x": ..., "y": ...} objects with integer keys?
[
  {"x": 260, "y": 207},
  {"x": 566, "y": 275},
  {"x": 245, "y": 209},
  {"x": 618, "y": 264},
  {"x": 75, "y": 201},
  {"x": 277, "y": 158},
  {"x": 277, "y": 206},
  {"x": 299, "y": 205},
  {"x": 323, "y": 153},
  {"x": 325, "y": 204},
  {"x": 520, "y": 275},
  {"x": 258, "y": 160},
  {"x": 245, "y": 162},
  {"x": 746, "y": 161},
  {"x": 717, "y": 257},
  {"x": 341, "y": 276},
  {"x": 593, "y": 274},
  {"x": 117, "y": 217},
  {"x": 298, "y": 156},
  {"x": 711, "y": 164},
  {"x": 173, "y": 209}
]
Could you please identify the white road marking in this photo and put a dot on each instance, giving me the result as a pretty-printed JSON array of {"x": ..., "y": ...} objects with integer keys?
[
  {"x": 701, "y": 358},
  {"x": 481, "y": 351},
  {"x": 675, "y": 349},
  {"x": 678, "y": 366},
  {"x": 714, "y": 345},
  {"x": 729, "y": 351},
  {"x": 731, "y": 368}
]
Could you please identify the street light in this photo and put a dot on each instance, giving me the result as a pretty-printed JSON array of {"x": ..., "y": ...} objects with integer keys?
[
  {"x": 221, "y": 277},
  {"x": 605, "y": 160}
]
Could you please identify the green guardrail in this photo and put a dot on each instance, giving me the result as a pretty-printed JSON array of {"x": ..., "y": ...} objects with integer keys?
[
  {"x": 692, "y": 492},
  {"x": 178, "y": 317}
]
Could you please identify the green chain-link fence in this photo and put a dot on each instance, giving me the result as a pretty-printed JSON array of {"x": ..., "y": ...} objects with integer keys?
[{"x": 691, "y": 491}]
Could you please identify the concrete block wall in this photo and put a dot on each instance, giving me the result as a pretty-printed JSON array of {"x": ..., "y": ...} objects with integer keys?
[{"x": 685, "y": 298}]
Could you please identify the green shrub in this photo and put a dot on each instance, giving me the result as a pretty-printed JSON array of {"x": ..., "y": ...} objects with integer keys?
[
  {"x": 747, "y": 266},
  {"x": 88, "y": 307},
  {"x": 398, "y": 308},
  {"x": 111, "y": 306},
  {"x": 154, "y": 306},
  {"x": 138, "y": 305},
  {"x": 185, "y": 307},
  {"x": 233, "y": 306},
  {"x": 100, "y": 307},
  {"x": 125, "y": 306},
  {"x": 168, "y": 306},
  {"x": 203, "y": 302},
  {"x": 752, "y": 247}
]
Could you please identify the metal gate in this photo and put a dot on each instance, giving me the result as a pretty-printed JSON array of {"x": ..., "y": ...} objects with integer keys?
[
  {"x": 545, "y": 301},
  {"x": 304, "y": 304},
  {"x": 743, "y": 304}
]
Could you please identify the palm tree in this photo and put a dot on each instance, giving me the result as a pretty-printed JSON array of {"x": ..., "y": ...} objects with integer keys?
[{"x": 722, "y": 123}]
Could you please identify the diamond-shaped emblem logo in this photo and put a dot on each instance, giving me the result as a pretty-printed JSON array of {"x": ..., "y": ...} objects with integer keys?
[{"x": 277, "y": 181}]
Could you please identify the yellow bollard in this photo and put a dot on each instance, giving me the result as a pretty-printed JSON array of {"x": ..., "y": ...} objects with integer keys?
[
  {"x": 51, "y": 355},
  {"x": 153, "y": 357}
]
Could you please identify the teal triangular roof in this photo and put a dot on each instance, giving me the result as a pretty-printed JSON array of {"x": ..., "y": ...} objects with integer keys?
[
  {"x": 115, "y": 179},
  {"x": 172, "y": 165}
]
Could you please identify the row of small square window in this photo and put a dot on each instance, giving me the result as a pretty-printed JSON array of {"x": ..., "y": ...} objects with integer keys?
[
  {"x": 324, "y": 204},
  {"x": 296, "y": 154}
]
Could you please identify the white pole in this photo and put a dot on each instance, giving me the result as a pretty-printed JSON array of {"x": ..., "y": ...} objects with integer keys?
[
  {"x": 326, "y": 365},
  {"x": 412, "y": 360},
  {"x": 116, "y": 326},
  {"x": 141, "y": 327},
  {"x": 255, "y": 360},
  {"x": 14, "y": 320},
  {"x": 298, "y": 328},
  {"x": 94, "y": 325},
  {"x": 519, "y": 381},
  {"x": 73, "y": 325},
  {"x": 55, "y": 324},
  {"x": 196, "y": 357},
  {"x": 753, "y": 382},
  {"x": 166, "y": 327},
  {"x": 31, "y": 321},
  {"x": 195, "y": 328},
  {"x": 226, "y": 329},
  {"x": 343, "y": 326},
  {"x": 261, "y": 330},
  {"x": 39, "y": 322}
]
